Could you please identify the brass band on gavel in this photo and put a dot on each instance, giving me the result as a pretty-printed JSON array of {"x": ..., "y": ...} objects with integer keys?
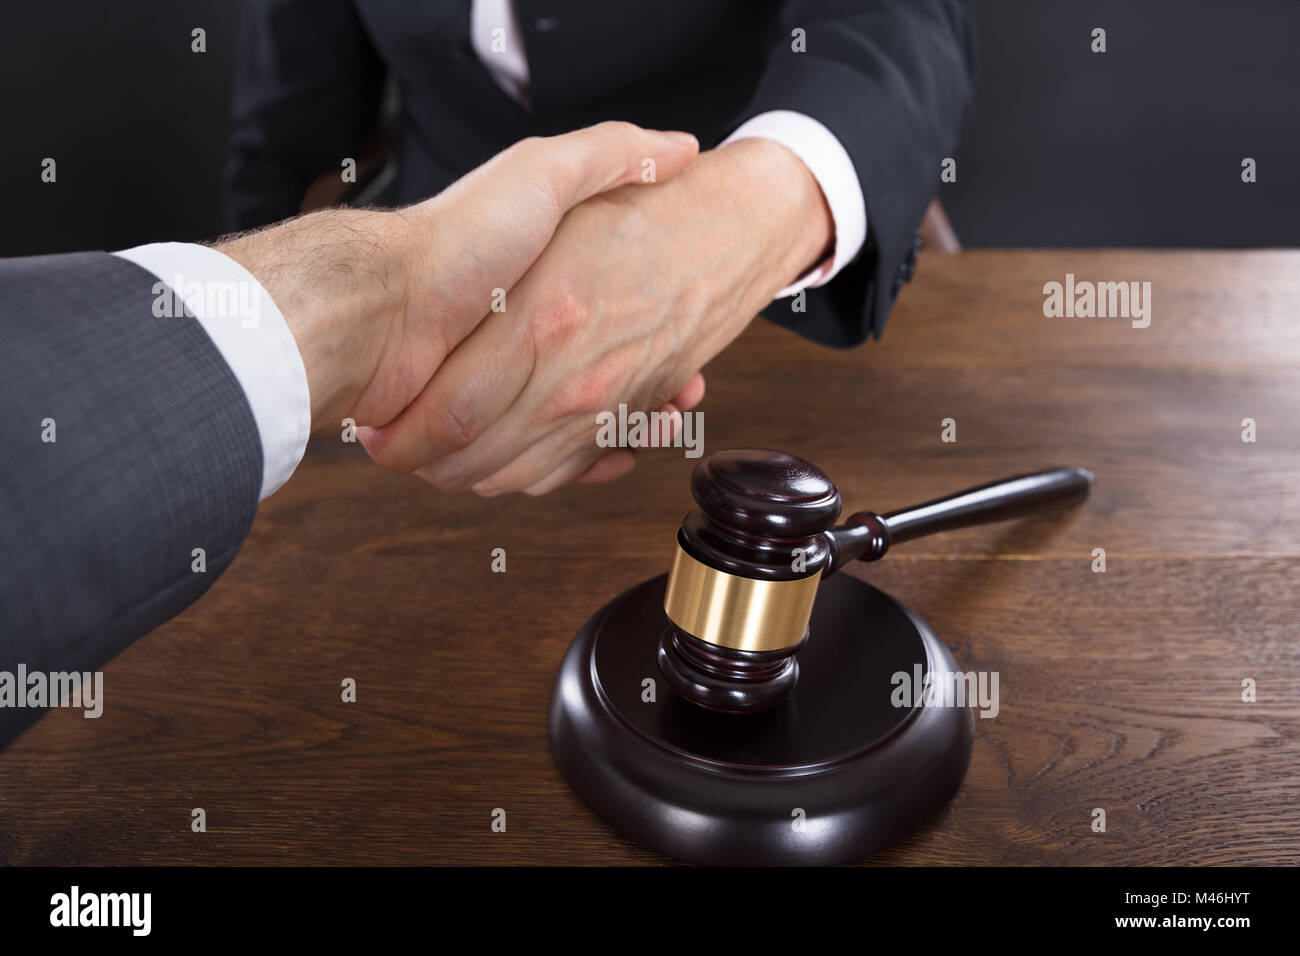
[{"x": 743, "y": 614}]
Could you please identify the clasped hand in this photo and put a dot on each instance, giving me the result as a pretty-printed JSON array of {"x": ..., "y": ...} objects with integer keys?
[{"x": 475, "y": 337}]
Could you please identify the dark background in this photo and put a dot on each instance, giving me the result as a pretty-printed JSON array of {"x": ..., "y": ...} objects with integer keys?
[{"x": 1140, "y": 146}]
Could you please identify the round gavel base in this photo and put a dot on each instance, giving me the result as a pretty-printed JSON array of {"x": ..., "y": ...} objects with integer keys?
[{"x": 832, "y": 774}]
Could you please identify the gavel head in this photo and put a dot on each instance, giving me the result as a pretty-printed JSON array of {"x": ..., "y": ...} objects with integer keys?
[{"x": 744, "y": 578}]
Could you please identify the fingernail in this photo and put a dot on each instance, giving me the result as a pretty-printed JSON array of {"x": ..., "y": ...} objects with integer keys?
[{"x": 684, "y": 139}]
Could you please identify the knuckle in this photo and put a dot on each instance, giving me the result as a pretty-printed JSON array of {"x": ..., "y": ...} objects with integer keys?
[
  {"x": 618, "y": 127},
  {"x": 451, "y": 424},
  {"x": 496, "y": 486},
  {"x": 557, "y": 320},
  {"x": 447, "y": 481},
  {"x": 383, "y": 452},
  {"x": 549, "y": 171},
  {"x": 589, "y": 393},
  {"x": 385, "y": 460},
  {"x": 527, "y": 146},
  {"x": 440, "y": 478},
  {"x": 551, "y": 190}
]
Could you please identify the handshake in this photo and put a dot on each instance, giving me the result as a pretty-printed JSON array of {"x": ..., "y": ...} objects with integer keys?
[{"x": 475, "y": 337}]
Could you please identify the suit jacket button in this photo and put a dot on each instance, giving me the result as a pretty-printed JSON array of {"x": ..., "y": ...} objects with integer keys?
[{"x": 907, "y": 268}]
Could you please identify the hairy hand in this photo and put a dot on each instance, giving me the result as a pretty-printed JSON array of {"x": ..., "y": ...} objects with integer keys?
[
  {"x": 377, "y": 300},
  {"x": 637, "y": 290}
]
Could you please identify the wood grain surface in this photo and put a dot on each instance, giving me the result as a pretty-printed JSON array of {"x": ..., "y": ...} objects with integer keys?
[{"x": 1119, "y": 690}]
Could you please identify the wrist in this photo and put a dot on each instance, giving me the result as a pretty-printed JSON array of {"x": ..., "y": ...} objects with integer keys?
[
  {"x": 793, "y": 215},
  {"x": 335, "y": 276}
]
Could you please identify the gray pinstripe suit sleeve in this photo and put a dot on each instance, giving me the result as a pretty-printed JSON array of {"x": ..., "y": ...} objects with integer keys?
[{"x": 156, "y": 453}]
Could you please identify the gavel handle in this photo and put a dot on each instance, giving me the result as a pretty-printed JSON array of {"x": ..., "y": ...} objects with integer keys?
[{"x": 866, "y": 536}]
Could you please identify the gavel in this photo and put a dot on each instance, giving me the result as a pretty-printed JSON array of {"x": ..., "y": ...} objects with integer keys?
[{"x": 750, "y": 558}]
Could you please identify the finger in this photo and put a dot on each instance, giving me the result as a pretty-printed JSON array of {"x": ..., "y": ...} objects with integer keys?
[
  {"x": 571, "y": 470},
  {"x": 486, "y": 405},
  {"x": 543, "y": 456},
  {"x": 470, "y": 391},
  {"x": 691, "y": 394},
  {"x": 438, "y": 476},
  {"x": 580, "y": 467},
  {"x": 497, "y": 455},
  {"x": 551, "y": 462},
  {"x": 617, "y": 464},
  {"x": 669, "y": 427},
  {"x": 614, "y": 465}
]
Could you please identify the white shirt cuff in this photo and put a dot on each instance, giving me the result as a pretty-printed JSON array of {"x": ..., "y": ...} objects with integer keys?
[
  {"x": 829, "y": 162},
  {"x": 253, "y": 338}
]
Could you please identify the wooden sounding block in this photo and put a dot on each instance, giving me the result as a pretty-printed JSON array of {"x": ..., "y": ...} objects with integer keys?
[{"x": 784, "y": 740}]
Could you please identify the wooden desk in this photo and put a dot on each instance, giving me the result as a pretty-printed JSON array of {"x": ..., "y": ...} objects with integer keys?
[{"x": 1119, "y": 690}]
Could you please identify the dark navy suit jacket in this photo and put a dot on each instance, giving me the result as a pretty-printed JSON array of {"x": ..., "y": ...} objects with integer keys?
[{"x": 155, "y": 453}]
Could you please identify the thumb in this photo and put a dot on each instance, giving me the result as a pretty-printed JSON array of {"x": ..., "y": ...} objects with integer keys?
[
  {"x": 589, "y": 161},
  {"x": 505, "y": 212}
]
